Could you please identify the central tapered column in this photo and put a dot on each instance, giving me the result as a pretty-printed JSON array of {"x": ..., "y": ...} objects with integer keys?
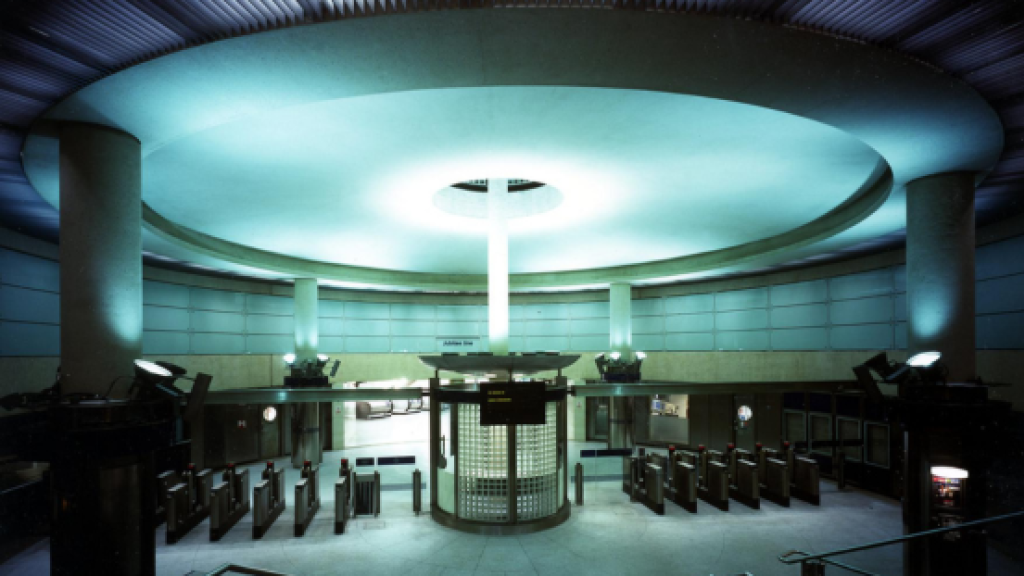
[
  {"x": 306, "y": 304},
  {"x": 307, "y": 442},
  {"x": 497, "y": 267},
  {"x": 621, "y": 319},
  {"x": 620, "y": 409}
]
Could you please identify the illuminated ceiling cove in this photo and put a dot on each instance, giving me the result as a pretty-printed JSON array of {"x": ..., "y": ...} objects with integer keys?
[{"x": 322, "y": 150}]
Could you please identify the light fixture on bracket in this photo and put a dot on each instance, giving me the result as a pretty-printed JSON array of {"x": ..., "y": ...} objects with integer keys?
[{"x": 613, "y": 367}]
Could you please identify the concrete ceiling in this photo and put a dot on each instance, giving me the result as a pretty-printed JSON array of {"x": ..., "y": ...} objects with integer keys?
[{"x": 318, "y": 150}]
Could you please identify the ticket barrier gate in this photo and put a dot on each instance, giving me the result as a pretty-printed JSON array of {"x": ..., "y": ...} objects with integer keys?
[
  {"x": 786, "y": 455},
  {"x": 716, "y": 487},
  {"x": 743, "y": 482},
  {"x": 307, "y": 497},
  {"x": 229, "y": 501},
  {"x": 654, "y": 488},
  {"x": 644, "y": 482},
  {"x": 806, "y": 484},
  {"x": 578, "y": 472},
  {"x": 745, "y": 488},
  {"x": 342, "y": 497},
  {"x": 678, "y": 482},
  {"x": 417, "y": 492},
  {"x": 684, "y": 486},
  {"x": 632, "y": 474},
  {"x": 775, "y": 470},
  {"x": 632, "y": 480},
  {"x": 367, "y": 493},
  {"x": 186, "y": 502},
  {"x": 268, "y": 500},
  {"x": 776, "y": 487},
  {"x": 164, "y": 482}
]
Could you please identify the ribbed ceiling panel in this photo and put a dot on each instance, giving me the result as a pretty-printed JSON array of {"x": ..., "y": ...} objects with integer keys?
[{"x": 50, "y": 48}]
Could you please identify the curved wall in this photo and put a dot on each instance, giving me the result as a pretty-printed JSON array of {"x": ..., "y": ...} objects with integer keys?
[{"x": 809, "y": 323}]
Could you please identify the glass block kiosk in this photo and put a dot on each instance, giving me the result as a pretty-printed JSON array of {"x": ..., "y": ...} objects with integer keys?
[{"x": 499, "y": 462}]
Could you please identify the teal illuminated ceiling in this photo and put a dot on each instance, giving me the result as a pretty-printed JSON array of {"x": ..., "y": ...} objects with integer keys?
[{"x": 317, "y": 150}]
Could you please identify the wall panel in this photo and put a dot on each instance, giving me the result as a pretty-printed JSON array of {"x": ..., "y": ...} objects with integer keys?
[
  {"x": 29, "y": 305},
  {"x": 690, "y": 304},
  {"x": 222, "y": 300},
  {"x": 850, "y": 312},
  {"x": 872, "y": 283},
  {"x": 799, "y": 293},
  {"x": 162, "y": 318},
  {"x": 741, "y": 299},
  {"x": 800, "y": 339}
]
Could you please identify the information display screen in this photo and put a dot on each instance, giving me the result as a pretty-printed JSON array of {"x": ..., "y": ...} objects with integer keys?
[{"x": 511, "y": 403}]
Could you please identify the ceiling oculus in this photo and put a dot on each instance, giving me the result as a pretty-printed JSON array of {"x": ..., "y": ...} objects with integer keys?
[{"x": 525, "y": 198}]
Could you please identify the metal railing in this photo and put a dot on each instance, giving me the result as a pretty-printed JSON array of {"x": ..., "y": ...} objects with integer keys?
[
  {"x": 237, "y": 569},
  {"x": 818, "y": 561}
]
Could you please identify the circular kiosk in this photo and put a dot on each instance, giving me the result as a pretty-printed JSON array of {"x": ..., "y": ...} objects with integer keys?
[{"x": 499, "y": 463}]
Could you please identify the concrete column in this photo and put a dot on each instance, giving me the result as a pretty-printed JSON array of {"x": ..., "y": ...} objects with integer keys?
[
  {"x": 101, "y": 257},
  {"x": 620, "y": 305},
  {"x": 497, "y": 267},
  {"x": 940, "y": 270},
  {"x": 306, "y": 327}
]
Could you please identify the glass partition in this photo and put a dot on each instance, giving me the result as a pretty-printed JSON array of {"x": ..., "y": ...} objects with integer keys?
[{"x": 498, "y": 479}]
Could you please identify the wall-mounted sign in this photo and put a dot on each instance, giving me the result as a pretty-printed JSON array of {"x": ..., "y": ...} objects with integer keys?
[
  {"x": 511, "y": 403},
  {"x": 744, "y": 413},
  {"x": 269, "y": 414},
  {"x": 458, "y": 345}
]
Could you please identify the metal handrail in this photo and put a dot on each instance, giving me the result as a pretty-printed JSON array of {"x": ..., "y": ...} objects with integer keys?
[
  {"x": 788, "y": 559},
  {"x": 243, "y": 570}
]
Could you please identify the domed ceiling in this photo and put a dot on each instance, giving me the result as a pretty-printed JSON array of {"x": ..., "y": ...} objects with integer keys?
[{"x": 668, "y": 148}]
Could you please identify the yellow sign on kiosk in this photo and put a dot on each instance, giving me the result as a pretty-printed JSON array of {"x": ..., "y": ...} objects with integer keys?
[{"x": 510, "y": 403}]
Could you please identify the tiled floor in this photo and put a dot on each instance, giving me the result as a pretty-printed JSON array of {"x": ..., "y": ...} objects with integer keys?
[{"x": 608, "y": 535}]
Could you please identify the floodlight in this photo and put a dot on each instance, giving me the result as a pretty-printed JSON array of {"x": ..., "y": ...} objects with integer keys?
[
  {"x": 322, "y": 357},
  {"x": 641, "y": 356},
  {"x": 924, "y": 359},
  {"x": 174, "y": 369},
  {"x": 949, "y": 472},
  {"x": 151, "y": 372},
  {"x": 615, "y": 356},
  {"x": 289, "y": 359}
]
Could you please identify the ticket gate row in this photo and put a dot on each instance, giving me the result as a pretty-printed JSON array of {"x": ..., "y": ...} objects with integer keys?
[
  {"x": 717, "y": 477},
  {"x": 190, "y": 497},
  {"x": 194, "y": 498}
]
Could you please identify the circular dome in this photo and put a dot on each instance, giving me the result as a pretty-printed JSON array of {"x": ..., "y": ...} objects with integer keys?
[{"x": 285, "y": 154}]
